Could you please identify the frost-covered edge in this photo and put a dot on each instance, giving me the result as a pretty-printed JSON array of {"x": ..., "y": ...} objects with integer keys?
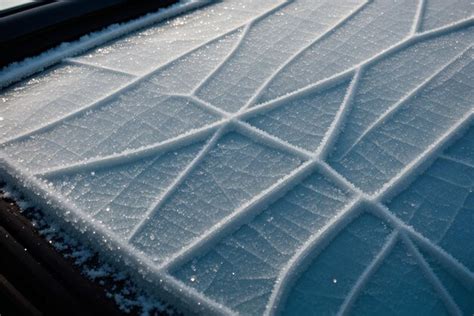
[
  {"x": 119, "y": 254},
  {"x": 127, "y": 296},
  {"x": 19, "y": 70}
]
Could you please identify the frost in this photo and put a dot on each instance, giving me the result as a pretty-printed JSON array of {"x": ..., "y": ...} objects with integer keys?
[{"x": 262, "y": 157}]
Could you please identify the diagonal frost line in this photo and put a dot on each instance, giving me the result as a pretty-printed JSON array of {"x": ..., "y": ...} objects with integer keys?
[
  {"x": 339, "y": 119},
  {"x": 304, "y": 49},
  {"x": 272, "y": 141},
  {"x": 226, "y": 58},
  {"x": 415, "y": 38},
  {"x": 418, "y": 37},
  {"x": 46, "y": 198},
  {"x": 457, "y": 267},
  {"x": 368, "y": 273},
  {"x": 420, "y": 11},
  {"x": 238, "y": 44},
  {"x": 241, "y": 216},
  {"x": 459, "y": 161},
  {"x": 399, "y": 181},
  {"x": 201, "y": 103},
  {"x": 310, "y": 249},
  {"x": 177, "y": 142},
  {"x": 244, "y": 108},
  {"x": 462, "y": 273},
  {"x": 177, "y": 182},
  {"x": 77, "y": 62},
  {"x": 119, "y": 90},
  {"x": 339, "y": 179},
  {"x": 398, "y": 105},
  {"x": 207, "y": 106},
  {"x": 275, "y": 103},
  {"x": 450, "y": 305}
]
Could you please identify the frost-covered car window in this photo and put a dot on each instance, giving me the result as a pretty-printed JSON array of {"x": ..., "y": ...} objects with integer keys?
[{"x": 258, "y": 157}]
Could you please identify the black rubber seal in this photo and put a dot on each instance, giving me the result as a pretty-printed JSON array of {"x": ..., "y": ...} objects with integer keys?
[
  {"x": 35, "y": 279},
  {"x": 33, "y": 30}
]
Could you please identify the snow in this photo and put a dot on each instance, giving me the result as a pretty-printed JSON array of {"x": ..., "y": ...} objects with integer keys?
[
  {"x": 9, "y": 4},
  {"x": 295, "y": 157}
]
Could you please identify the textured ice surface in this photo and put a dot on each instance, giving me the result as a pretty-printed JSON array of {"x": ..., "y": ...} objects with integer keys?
[{"x": 258, "y": 157}]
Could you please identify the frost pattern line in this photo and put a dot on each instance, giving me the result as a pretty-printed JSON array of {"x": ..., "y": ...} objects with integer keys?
[{"x": 368, "y": 272}]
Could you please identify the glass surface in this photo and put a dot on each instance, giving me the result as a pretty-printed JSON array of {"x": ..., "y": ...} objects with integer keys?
[{"x": 305, "y": 157}]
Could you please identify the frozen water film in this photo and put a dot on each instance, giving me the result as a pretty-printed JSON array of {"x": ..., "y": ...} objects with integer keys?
[{"x": 305, "y": 157}]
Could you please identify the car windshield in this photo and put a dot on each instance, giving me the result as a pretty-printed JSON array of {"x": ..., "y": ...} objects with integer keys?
[{"x": 258, "y": 157}]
